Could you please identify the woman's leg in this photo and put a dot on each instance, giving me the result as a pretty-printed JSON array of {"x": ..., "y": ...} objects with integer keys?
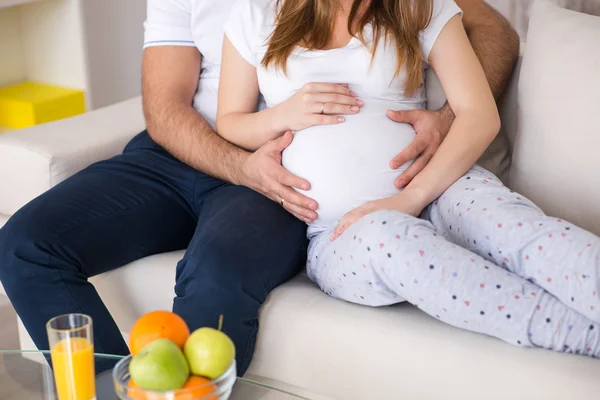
[
  {"x": 388, "y": 256},
  {"x": 482, "y": 215}
]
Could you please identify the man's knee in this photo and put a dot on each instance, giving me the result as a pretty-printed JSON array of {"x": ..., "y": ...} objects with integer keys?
[
  {"x": 219, "y": 269},
  {"x": 211, "y": 271},
  {"x": 20, "y": 239}
]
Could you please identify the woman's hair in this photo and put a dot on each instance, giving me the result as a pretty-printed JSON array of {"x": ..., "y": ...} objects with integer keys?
[{"x": 309, "y": 23}]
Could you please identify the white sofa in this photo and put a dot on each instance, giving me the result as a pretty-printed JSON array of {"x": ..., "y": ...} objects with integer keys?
[{"x": 309, "y": 342}]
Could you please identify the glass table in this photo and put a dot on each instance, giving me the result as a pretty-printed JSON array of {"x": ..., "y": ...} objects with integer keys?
[{"x": 25, "y": 375}]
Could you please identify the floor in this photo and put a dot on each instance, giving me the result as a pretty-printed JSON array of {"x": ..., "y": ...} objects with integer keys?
[
  {"x": 20, "y": 378},
  {"x": 8, "y": 326}
]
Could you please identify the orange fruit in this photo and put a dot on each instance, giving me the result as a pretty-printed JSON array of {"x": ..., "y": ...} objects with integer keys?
[
  {"x": 157, "y": 325},
  {"x": 197, "y": 387},
  {"x": 134, "y": 394}
]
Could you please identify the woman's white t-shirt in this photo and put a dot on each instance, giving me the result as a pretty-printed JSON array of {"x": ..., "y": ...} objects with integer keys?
[{"x": 347, "y": 164}]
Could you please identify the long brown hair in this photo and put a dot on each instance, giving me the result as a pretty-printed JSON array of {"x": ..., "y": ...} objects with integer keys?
[{"x": 310, "y": 23}]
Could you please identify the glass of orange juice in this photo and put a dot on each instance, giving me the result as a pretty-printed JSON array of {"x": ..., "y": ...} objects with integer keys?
[{"x": 72, "y": 352}]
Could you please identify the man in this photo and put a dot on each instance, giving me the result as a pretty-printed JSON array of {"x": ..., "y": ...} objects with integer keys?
[{"x": 180, "y": 185}]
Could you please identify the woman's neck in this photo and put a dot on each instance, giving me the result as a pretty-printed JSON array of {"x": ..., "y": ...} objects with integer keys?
[
  {"x": 340, "y": 36},
  {"x": 345, "y": 6}
]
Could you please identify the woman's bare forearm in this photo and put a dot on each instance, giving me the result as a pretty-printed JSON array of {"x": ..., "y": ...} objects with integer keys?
[
  {"x": 495, "y": 42},
  {"x": 249, "y": 130},
  {"x": 477, "y": 121},
  {"x": 470, "y": 134}
]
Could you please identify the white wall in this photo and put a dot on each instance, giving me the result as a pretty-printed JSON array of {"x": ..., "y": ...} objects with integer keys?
[
  {"x": 92, "y": 45},
  {"x": 114, "y": 37},
  {"x": 12, "y": 63},
  {"x": 517, "y": 11},
  {"x": 53, "y": 45}
]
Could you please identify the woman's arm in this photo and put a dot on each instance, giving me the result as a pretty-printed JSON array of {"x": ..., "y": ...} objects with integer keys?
[
  {"x": 476, "y": 124},
  {"x": 496, "y": 44},
  {"x": 237, "y": 119},
  {"x": 477, "y": 121}
]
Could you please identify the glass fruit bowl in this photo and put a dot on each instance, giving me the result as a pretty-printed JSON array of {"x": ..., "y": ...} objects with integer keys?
[{"x": 217, "y": 389}]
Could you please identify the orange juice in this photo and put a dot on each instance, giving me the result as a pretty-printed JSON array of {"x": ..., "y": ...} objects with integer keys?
[{"x": 73, "y": 363}]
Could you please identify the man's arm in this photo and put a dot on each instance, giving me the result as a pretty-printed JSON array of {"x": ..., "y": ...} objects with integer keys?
[
  {"x": 169, "y": 82},
  {"x": 496, "y": 45}
]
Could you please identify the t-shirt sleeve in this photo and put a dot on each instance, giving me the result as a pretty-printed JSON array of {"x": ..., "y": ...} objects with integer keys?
[
  {"x": 168, "y": 23},
  {"x": 443, "y": 11},
  {"x": 241, "y": 28}
]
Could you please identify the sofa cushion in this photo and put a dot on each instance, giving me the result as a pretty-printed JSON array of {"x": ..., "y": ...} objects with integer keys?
[
  {"x": 144, "y": 285},
  {"x": 312, "y": 341},
  {"x": 33, "y": 160},
  {"x": 3, "y": 220},
  {"x": 555, "y": 159},
  {"x": 350, "y": 352}
]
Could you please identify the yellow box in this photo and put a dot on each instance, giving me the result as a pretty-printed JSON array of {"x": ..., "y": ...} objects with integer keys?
[{"x": 29, "y": 103}]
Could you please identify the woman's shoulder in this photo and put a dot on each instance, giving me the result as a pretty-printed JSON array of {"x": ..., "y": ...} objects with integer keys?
[{"x": 441, "y": 8}]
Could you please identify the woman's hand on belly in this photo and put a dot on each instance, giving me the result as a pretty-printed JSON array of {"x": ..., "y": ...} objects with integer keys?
[
  {"x": 347, "y": 165},
  {"x": 407, "y": 202},
  {"x": 316, "y": 104}
]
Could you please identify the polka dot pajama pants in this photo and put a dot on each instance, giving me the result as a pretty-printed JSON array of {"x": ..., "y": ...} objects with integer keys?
[{"x": 481, "y": 258}]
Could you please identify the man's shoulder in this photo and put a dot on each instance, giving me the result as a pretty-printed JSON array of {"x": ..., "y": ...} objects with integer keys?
[
  {"x": 257, "y": 13},
  {"x": 261, "y": 3},
  {"x": 264, "y": 7}
]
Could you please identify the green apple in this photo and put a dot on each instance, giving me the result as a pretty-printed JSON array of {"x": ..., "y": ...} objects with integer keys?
[
  {"x": 209, "y": 352},
  {"x": 160, "y": 366}
]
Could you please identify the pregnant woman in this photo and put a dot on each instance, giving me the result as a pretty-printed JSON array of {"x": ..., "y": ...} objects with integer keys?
[{"x": 480, "y": 257}]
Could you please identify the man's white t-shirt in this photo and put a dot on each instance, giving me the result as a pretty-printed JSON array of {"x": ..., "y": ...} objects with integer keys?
[
  {"x": 346, "y": 164},
  {"x": 196, "y": 23}
]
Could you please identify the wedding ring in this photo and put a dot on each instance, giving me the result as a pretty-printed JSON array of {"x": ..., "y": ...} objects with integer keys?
[
  {"x": 282, "y": 202},
  {"x": 322, "y": 108}
]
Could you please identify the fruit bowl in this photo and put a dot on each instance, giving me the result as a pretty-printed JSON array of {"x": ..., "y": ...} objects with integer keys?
[{"x": 217, "y": 389}]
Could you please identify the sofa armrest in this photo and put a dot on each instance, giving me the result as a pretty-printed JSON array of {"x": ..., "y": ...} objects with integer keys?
[{"x": 35, "y": 159}]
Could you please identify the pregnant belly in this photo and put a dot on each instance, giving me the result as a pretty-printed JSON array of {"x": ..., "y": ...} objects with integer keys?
[{"x": 348, "y": 164}]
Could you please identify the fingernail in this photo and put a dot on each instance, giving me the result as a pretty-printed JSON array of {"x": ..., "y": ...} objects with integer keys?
[
  {"x": 312, "y": 206},
  {"x": 304, "y": 186},
  {"x": 352, "y": 94},
  {"x": 395, "y": 165},
  {"x": 401, "y": 183},
  {"x": 360, "y": 102},
  {"x": 332, "y": 238},
  {"x": 355, "y": 108},
  {"x": 341, "y": 119}
]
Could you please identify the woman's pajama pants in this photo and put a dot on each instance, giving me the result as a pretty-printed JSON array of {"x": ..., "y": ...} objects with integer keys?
[{"x": 481, "y": 258}]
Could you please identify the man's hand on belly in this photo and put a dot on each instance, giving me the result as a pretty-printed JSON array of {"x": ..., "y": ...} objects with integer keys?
[
  {"x": 432, "y": 128},
  {"x": 263, "y": 173}
]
